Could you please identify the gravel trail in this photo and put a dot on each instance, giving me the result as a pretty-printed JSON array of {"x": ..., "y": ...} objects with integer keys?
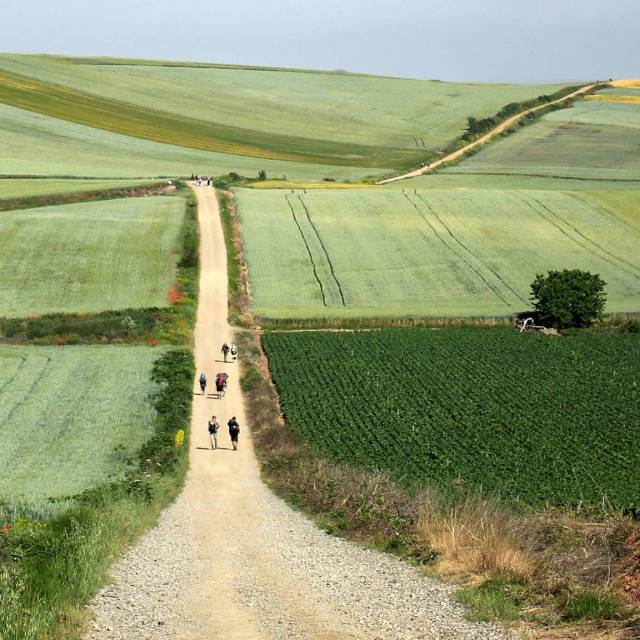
[{"x": 230, "y": 560}]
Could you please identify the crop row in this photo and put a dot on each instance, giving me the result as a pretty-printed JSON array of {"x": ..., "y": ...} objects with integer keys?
[{"x": 532, "y": 419}]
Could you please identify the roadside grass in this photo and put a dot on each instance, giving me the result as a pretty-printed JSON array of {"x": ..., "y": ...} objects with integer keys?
[
  {"x": 495, "y": 599},
  {"x": 95, "y": 256},
  {"x": 325, "y": 114},
  {"x": 341, "y": 257}
]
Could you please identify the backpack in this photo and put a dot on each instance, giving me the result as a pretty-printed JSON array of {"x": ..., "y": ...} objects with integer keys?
[
  {"x": 213, "y": 427},
  {"x": 203, "y": 378},
  {"x": 220, "y": 380}
]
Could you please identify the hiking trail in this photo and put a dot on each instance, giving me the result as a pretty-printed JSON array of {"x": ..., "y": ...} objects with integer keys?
[{"x": 229, "y": 560}]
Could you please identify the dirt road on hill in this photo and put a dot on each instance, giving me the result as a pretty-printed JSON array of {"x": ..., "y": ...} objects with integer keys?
[
  {"x": 485, "y": 138},
  {"x": 229, "y": 560}
]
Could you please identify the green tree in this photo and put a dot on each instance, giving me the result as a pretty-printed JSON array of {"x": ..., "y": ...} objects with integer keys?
[{"x": 568, "y": 298}]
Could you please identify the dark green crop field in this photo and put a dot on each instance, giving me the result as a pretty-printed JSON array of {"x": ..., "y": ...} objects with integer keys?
[{"x": 530, "y": 418}]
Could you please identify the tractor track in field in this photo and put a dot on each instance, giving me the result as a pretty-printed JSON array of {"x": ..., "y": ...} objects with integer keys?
[
  {"x": 306, "y": 244},
  {"x": 473, "y": 268},
  {"x": 609, "y": 258},
  {"x": 230, "y": 560},
  {"x": 324, "y": 248},
  {"x": 475, "y": 255}
]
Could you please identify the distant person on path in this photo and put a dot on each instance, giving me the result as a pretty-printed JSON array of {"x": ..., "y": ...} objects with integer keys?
[
  {"x": 203, "y": 382},
  {"x": 225, "y": 351},
  {"x": 234, "y": 432},
  {"x": 213, "y": 432},
  {"x": 208, "y": 181},
  {"x": 234, "y": 351}
]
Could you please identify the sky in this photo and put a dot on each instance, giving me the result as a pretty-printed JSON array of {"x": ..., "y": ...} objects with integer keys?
[{"x": 474, "y": 40}]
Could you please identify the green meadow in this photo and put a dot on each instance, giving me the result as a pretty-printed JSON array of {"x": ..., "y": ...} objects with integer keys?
[
  {"x": 22, "y": 188},
  {"x": 96, "y": 256},
  {"x": 392, "y": 252},
  {"x": 70, "y": 417},
  {"x": 325, "y": 118}
]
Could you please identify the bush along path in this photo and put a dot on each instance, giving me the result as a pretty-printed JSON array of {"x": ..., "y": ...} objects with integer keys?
[{"x": 231, "y": 560}]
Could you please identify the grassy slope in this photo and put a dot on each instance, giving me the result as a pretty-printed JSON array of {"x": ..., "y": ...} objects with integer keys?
[
  {"x": 19, "y": 188},
  {"x": 591, "y": 140},
  {"x": 89, "y": 257},
  {"x": 383, "y": 116},
  {"x": 34, "y": 144},
  {"x": 70, "y": 416},
  {"x": 487, "y": 407},
  {"x": 471, "y": 253}
]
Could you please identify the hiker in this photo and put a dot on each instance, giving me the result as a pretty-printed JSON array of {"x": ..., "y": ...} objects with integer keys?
[
  {"x": 234, "y": 432},
  {"x": 213, "y": 432},
  {"x": 203, "y": 382},
  {"x": 234, "y": 351},
  {"x": 221, "y": 383},
  {"x": 208, "y": 181},
  {"x": 225, "y": 351}
]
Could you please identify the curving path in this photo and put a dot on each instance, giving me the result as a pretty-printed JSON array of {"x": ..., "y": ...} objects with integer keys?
[
  {"x": 483, "y": 139},
  {"x": 229, "y": 560}
]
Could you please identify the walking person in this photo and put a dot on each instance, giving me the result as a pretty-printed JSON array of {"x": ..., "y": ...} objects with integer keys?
[
  {"x": 234, "y": 351},
  {"x": 203, "y": 382},
  {"x": 221, "y": 384},
  {"x": 213, "y": 427},
  {"x": 208, "y": 181},
  {"x": 225, "y": 351},
  {"x": 234, "y": 432}
]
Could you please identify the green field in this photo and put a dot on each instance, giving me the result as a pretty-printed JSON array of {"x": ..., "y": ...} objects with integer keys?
[
  {"x": 590, "y": 140},
  {"x": 328, "y": 118},
  {"x": 37, "y": 145},
  {"x": 70, "y": 416},
  {"x": 23, "y": 188},
  {"x": 530, "y": 418},
  {"x": 93, "y": 256},
  {"x": 391, "y": 252}
]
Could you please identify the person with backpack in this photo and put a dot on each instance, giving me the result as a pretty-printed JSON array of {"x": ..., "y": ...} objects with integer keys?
[
  {"x": 234, "y": 432},
  {"x": 213, "y": 432},
  {"x": 221, "y": 383},
  {"x": 234, "y": 351},
  {"x": 225, "y": 351},
  {"x": 203, "y": 382}
]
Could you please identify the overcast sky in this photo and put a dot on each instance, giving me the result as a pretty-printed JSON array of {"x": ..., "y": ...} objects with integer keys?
[{"x": 482, "y": 40}]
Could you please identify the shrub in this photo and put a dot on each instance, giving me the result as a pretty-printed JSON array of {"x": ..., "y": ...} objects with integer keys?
[{"x": 568, "y": 298}]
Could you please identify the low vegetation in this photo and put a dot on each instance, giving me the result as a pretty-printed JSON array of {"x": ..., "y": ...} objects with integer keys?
[
  {"x": 52, "y": 560},
  {"x": 113, "y": 254},
  {"x": 481, "y": 408},
  {"x": 407, "y": 252},
  {"x": 531, "y": 566}
]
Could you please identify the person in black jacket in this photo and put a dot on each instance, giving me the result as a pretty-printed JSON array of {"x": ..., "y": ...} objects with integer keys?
[{"x": 234, "y": 432}]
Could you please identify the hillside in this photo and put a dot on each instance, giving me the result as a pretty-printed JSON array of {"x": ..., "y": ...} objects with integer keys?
[{"x": 325, "y": 118}]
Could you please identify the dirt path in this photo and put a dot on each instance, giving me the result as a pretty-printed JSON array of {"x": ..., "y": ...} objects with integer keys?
[
  {"x": 230, "y": 560},
  {"x": 485, "y": 138}
]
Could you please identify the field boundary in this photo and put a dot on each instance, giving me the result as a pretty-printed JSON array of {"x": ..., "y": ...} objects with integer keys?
[{"x": 32, "y": 202}]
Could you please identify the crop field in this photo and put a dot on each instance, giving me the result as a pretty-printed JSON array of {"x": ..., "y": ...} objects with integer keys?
[
  {"x": 594, "y": 139},
  {"x": 327, "y": 118},
  {"x": 37, "y": 145},
  {"x": 21, "y": 188},
  {"x": 532, "y": 419},
  {"x": 69, "y": 416},
  {"x": 395, "y": 252},
  {"x": 94, "y": 256}
]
